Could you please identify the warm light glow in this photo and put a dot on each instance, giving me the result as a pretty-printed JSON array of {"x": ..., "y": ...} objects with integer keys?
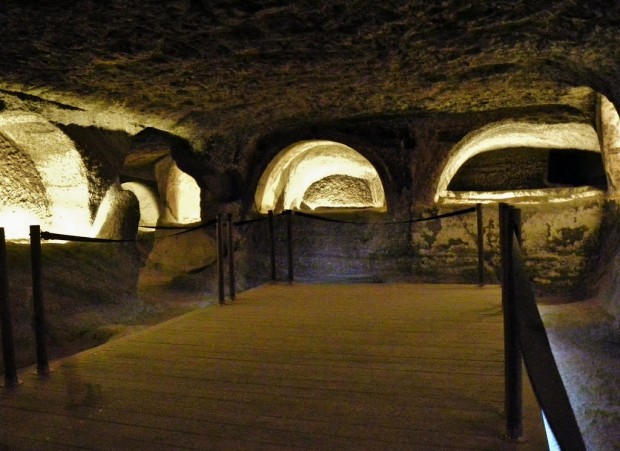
[
  {"x": 610, "y": 143},
  {"x": 290, "y": 180},
  {"x": 149, "y": 202},
  {"x": 533, "y": 196},
  {"x": 17, "y": 221},
  {"x": 516, "y": 135},
  {"x": 180, "y": 194},
  {"x": 338, "y": 190},
  {"x": 610, "y": 122},
  {"x": 187, "y": 199},
  {"x": 60, "y": 170}
]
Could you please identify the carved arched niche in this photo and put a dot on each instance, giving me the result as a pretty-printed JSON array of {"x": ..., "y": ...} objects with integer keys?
[
  {"x": 320, "y": 175},
  {"x": 532, "y": 162}
]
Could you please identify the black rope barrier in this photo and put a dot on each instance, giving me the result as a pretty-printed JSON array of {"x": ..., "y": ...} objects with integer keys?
[
  {"x": 185, "y": 229},
  {"x": 446, "y": 215},
  {"x": 86, "y": 239},
  {"x": 406, "y": 221},
  {"x": 164, "y": 227},
  {"x": 176, "y": 227},
  {"x": 81, "y": 239},
  {"x": 224, "y": 243}
]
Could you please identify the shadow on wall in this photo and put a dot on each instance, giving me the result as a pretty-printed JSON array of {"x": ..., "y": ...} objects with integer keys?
[{"x": 86, "y": 287}]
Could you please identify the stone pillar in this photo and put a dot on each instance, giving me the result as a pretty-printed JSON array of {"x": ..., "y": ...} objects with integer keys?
[
  {"x": 179, "y": 194},
  {"x": 608, "y": 127}
]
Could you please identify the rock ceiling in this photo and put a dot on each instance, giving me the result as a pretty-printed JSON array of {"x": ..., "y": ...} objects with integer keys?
[{"x": 208, "y": 69}]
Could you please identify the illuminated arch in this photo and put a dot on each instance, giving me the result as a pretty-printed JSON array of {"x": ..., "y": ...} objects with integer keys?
[
  {"x": 311, "y": 175},
  {"x": 148, "y": 201},
  {"x": 179, "y": 193},
  {"x": 610, "y": 142},
  {"x": 509, "y": 134},
  {"x": 60, "y": 171}
]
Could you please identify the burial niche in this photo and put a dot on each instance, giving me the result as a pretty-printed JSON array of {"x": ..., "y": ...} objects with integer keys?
[
  {"x": 527, "y": 161},
  {"x": 320, "y": 175}
]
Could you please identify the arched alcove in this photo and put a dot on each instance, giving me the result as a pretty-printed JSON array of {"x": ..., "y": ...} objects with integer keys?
[
  {"x": 547, "y": 152},
  {"x": 148, "y": 200},
  {"x": 179, "y": 193},
  {"x": 319, "y": 175},
  {"x": 55, "y": 192}
]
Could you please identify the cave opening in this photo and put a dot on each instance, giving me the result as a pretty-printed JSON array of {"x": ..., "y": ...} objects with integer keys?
[
  {"x": 320, "y": 175},
  {"x": 524, "y": 161},
  {"x": 530, "y": 168}
]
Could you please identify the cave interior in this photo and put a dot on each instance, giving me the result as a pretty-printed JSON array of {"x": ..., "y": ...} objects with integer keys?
[{"x": 120, "y": 117}]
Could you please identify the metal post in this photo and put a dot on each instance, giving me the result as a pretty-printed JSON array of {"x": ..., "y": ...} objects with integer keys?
[
  {"x": 37, "y": 301},
  {"x": 289, "y": 242},
  {"x": 231, "y": 259},
  {"x": 8, "y": 347},
  {"x": 480, "y": 240},
  {"x": 272, "y": 242},
  {"x": 220, "y": 259},
  {"x": 516, "y": 224},
  {"x": 513, "y": 400}
]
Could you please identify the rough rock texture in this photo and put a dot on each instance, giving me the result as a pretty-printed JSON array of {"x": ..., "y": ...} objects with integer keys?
[
  {"x": 609, "y": 124},
  {"x": 148, "y": 201},
  {"x": 509, "y": 169},
  {"x": 223, "y": 68},
  {"x": 219, "y": 88},
  {"x": 222, "y": 87},
  {"x": 103, "y": 152},
  {"x": 60, "y": 168},
  {"x": 179, "y": 194},
  {"x": 176, "y": 254},
  {"x": 560, "y": 243},
  {"x": 312, "y": 171},
  {"x": 339, "y": 191},
  {"x": 21, "y": 192},
  {"x": 83, "y": 290},
  {"x": 119, "y": 214},
  {"x": 607, "y": 262}
]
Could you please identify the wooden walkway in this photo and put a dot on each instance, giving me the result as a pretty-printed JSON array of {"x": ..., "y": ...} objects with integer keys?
[{"x": 363, "y": 367}]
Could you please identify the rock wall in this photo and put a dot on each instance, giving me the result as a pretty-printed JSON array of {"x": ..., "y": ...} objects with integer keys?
[
  {"x": 23, "y": 199},
  {"x": 408, "y": 154},
  {"x": 605, "y": 277},
  {"x": 85, "y": 285},
  {"x": 560, "y": 238},
  {"x": 560, "y": 243},
  {"x": 445, "y": 250}
]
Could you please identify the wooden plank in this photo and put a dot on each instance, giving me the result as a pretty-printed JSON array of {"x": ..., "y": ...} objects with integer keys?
[
  {"x": 417, "y": 390},
  {"x": 290, "y": 364},
  {"x": 319, "y": 367},
  {"x": 120, "y": 431},
  {"x": 214, "y": 417},
  {"x": 423, "y": 358},
  {"x": 169, "y": 420}
]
